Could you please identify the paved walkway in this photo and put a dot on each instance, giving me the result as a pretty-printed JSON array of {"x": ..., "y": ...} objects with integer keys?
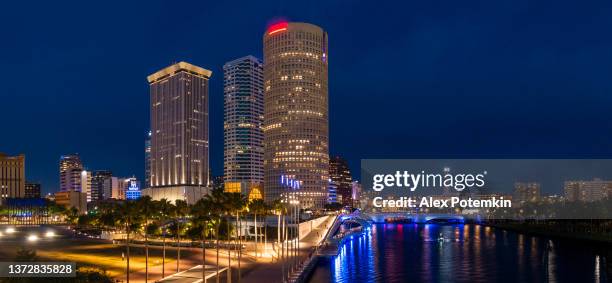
[
  {"x": 190, "y": 261},
  {"x": 271, "y": 272},
  {"x": 193, "y": 275},
  {"x": 252, "y": 270}
]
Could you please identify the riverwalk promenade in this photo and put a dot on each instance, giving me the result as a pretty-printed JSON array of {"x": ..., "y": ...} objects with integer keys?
[{"x": 254, "y": 269}]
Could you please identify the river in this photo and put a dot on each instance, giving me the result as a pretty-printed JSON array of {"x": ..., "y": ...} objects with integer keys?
[{"x": 462, "y": 253}]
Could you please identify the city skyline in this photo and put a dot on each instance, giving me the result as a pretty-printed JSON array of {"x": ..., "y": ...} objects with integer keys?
[{"x": 533, "y": 107}]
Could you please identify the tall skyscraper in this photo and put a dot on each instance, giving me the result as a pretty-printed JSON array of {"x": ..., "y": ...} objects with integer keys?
[
  {"x": 179, "y": 132},
  {"x": 147, "y": 183},
  {"x": 340, "y": 174},
  {"x": 242, "y": 126},
  {"x": 296, "y": 137},
  {"x": 70, "y": 168},
  {"x": 12, "y": 176}
]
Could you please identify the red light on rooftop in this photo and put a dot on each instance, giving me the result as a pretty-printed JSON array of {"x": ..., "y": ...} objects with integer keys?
[{"x": 277, "y": 28}]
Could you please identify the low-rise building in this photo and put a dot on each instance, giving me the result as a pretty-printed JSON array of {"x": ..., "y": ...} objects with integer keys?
[
  {"x": 32, "y": 190},
  {"x": 71, "y": 199}
]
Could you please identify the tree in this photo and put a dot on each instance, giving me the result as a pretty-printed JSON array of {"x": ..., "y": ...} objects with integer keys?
[
  {"x": 217, "y": 202},
  {"x": 236, "y": 203},
  {"x": 257, "y": 206},
  {"x": 279, "y": 207},
  {"x": 128, "y": 217},
  {"x": 181, "y": 210},
  {"x": 54, "y": 209},
  {"x": 72, "y": 216},
  {"x": 148, "y": 210},
  {"x": 201, "y": 216},
  {"x": 166, "y": 211}
]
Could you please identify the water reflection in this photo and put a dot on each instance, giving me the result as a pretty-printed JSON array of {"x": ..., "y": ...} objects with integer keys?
[{"x": 460, "y": 253}]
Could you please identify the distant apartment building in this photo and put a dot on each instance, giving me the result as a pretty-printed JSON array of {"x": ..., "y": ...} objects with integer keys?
[
  {"x": 340, "y": 174},
  {"x": 332, "y": 192},
  {"x": 70, "y": 169},
  {"x": 587, "y": 191},
  {"x": 117, "y": 188},
  {"x": 218, "y": 183},
  {"x": 179, "y": 133},
  {"x": 526, "y": 192},
  {"x": 86, "y": 183},
  {"x": 357, "y": 189},
  {"x": 32, "y": 190},
  {"x": 242, "y": 126},
  {"x": 12, "y": 176},
  {"x": 101, "y": 185}
]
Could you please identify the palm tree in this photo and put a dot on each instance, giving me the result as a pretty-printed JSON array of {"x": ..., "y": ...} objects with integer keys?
[
  {"x": 279, "y": 207},
  {"x": 148, "y": 211},
  {"x": 266, "y": 213},
  {"x": 236, "y": 202},
  {"x": 257, "y": 206},
  {"x": 182, "y": 208},
  {"x": 166, "y": 211},
  {"x": 128, "y": 217},
  {"x": 216, "y": 199},
  {"x": 107, "y": 216},
  {"x": 201, "y": 215}
]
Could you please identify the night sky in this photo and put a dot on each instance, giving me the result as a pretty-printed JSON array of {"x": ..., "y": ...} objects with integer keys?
[{"x": 448, "y": 79}]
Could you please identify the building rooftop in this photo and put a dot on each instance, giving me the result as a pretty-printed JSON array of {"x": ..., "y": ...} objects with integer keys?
[{"x": 180, "y": 66}]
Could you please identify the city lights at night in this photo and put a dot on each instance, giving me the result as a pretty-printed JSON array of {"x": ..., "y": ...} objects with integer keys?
[{"x": 306, "y": 142}]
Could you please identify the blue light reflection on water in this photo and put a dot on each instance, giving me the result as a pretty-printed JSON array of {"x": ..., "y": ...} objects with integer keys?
[{"x": 461, "y": 253}]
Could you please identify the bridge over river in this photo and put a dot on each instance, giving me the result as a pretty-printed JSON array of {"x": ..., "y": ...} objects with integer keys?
[{"x": 349, "y": 226}]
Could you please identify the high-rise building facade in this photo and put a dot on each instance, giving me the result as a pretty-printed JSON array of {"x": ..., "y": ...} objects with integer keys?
[
  {"x": 356, "y": 195},
  {"x": 12, "y": 176},
  {"x": 70, "y": 168},
  {"x": 242, "y": 125},
  {"x": 101, "y": 185},
  {"x": 179, "y": 132},
  {"x": 32, "y": 190},
  {"x": 332, "y": 194},
  {"x": 86, "y": 184},
  {"x": 296, "y": 130},
  {"x": 340, "y": 174},
  {"x": 148, "y": 161}
]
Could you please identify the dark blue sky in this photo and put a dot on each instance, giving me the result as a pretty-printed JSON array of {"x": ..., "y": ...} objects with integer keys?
[{"x": 515, "y": 78}]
